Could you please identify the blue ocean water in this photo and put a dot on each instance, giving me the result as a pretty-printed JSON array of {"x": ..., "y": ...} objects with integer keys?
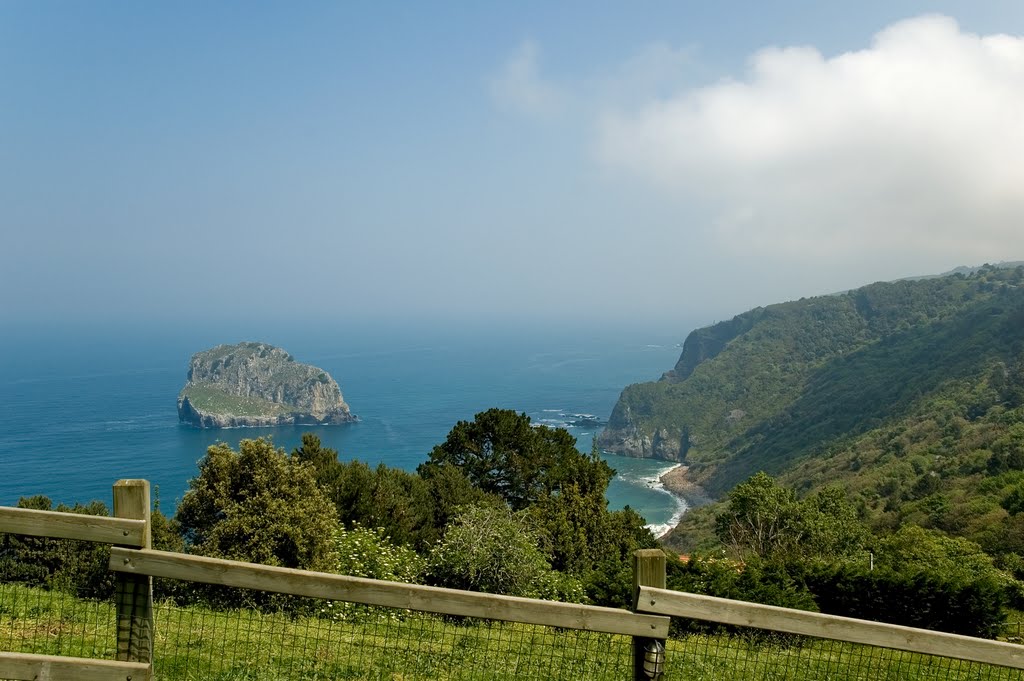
[{"x": 81, "y": 408}]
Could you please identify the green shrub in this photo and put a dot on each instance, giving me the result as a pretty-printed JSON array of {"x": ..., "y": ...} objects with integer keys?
[
  {"x": 369, "y": 552},
  {"x": 926, "y": 599},
  {"x": 494, "y": 550}
]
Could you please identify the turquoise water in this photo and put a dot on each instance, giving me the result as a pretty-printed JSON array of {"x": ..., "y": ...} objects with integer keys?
[{"x": 80, "y": 409}]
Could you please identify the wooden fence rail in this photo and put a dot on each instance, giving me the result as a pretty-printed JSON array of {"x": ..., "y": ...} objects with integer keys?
[
  {"x": 739, "y": 613},
  {"x": 26, "y": 667},
  {"x": 135, "y": 564},
  {"x": 389, "y": 594},
  {"x": 72, "y": 526}
]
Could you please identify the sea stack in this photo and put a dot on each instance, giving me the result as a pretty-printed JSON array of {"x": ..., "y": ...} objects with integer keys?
[{"x": 256, "y": 384}]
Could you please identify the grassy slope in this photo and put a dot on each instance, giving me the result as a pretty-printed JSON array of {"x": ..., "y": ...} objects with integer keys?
[{"x": 211, "y": 399}]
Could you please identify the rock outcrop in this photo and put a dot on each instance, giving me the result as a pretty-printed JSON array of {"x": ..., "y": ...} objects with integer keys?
[{"x": 255, "y": 384}]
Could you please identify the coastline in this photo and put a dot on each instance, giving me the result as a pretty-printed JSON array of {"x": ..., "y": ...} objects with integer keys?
[{"x": 675, "y": 480}]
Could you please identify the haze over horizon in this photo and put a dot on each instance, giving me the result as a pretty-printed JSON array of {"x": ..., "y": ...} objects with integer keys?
[{"x": 179, "y": 162}]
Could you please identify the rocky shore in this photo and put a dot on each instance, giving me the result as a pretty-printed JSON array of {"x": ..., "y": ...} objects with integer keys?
[{"x": 676, "y": 481}]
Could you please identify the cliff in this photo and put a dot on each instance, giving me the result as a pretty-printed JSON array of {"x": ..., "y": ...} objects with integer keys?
[
  {"x": 255, "y": 384},
  {"x": 782, "y": 384}
]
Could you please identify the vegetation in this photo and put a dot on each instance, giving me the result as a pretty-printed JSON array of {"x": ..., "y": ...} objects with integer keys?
[
  {"x": 61, "y": 564},
  {"x": 785, "y": 384},
  {"x": 496, "y": 550},
  {"x": 816, "y": 554},
  {"x": 210, "y": 398},
  {"x": 258, "y": 505}
]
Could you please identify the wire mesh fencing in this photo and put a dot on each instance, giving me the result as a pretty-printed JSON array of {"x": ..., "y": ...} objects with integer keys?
[
  {"x": 749, "y": 654},
  {"x": 56, "y": 598},
  {"x": 326, "y": 640}
]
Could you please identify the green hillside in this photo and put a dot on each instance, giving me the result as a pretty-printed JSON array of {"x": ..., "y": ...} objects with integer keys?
[{"x": 908, "y": 393}]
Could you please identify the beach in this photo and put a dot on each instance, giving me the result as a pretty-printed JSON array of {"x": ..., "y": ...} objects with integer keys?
[{"x": 675, "y": 480}]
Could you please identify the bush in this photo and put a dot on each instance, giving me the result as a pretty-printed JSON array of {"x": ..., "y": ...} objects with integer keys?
[
  {"x": 369, "y": 552},
  {"x": 754, "y": 581},
  {"x": 496, "y": 551},
  {"x": 926, "y": 599}
]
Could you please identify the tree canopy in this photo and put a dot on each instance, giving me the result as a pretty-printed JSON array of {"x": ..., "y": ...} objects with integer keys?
[
  {"x": 501, "y": 452},
  {"x": 258, "y": 505}
]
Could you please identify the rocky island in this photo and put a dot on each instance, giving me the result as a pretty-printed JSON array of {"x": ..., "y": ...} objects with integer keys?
[{"x": 255, "y": 384}]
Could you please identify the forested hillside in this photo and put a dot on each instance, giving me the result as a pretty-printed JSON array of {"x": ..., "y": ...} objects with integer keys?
[{"x": 798, "y": 383}]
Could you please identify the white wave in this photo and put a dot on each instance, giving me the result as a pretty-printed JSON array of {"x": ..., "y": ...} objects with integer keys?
[
  {"x": 552, "y": 411},
  {"x": 654, "y": 482}
]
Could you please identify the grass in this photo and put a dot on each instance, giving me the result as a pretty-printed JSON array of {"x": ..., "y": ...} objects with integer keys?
[
  {"x": 214, "y": 400},
  {"x": 194, "y": 642}
]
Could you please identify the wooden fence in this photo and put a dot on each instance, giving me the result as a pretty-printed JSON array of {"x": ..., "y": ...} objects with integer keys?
[
  {"x": 768, "y": 617},
  {"x": 135, "y": 565},
  {"x": 130, "y": 527}
]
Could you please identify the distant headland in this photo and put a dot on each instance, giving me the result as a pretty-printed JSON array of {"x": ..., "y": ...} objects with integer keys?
[{"x": 255, "y": 384}]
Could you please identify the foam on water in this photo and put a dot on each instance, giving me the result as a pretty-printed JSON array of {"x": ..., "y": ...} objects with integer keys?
[{"x": 654, "y": 482}]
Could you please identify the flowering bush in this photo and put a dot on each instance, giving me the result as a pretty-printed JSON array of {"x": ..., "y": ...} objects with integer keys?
[{"x": 369, "y": 552}]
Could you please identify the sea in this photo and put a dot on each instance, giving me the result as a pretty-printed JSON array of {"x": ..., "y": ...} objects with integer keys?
[{"x": 83, "y": 406}]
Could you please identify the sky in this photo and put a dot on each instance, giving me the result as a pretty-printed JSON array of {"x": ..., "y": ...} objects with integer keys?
[{"x": 530, "y": 162}]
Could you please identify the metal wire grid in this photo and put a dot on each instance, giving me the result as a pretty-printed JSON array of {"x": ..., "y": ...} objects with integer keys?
[
  {"x": 195, "y": 642},
  {"x": 754, "y": 654},
  {"x": 63, "y": 608},
  {"x": 322, "y": 640}
]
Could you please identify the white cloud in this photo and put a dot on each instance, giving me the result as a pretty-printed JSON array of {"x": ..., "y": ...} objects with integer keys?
[
  {"x": 914, "y": 144},
  {"x": 520, "y": 88}
]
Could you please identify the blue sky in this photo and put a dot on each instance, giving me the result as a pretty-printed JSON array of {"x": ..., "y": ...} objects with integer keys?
[{"x": 532, "y": 162}]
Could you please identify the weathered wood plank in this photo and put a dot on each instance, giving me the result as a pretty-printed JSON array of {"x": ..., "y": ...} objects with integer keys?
[
  {"x": 72, "y": 526},
  {"x": 388, "y": 594},
  {"x": 723, "y": 611},
  {"x": 649, "y": 569},
  {"x": 134, "y": 592},
  {"x": 26, "y": 667}
]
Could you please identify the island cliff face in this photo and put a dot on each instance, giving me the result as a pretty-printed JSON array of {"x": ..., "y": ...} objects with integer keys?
[{"x": 255, "y": 384}]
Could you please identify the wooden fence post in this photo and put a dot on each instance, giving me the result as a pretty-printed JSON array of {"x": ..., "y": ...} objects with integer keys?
[
  {"x": 134, "y": 593},
  {"x": 648, "y": 653}
]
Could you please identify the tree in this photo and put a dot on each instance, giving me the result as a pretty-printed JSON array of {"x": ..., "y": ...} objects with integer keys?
[
  {"x": 502, "y": 453},
  {"x": 767, "y": 520},
  {"x": 913, "y": 549},
  {"x": 412, "y": 510},
  {"x": 539, "y": 470},
  {"x": 761, "y": 518},
  {"x": 258, "y": 505}
]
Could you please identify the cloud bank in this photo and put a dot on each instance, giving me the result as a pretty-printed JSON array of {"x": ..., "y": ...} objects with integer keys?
[{"x": 913, "y": 144}]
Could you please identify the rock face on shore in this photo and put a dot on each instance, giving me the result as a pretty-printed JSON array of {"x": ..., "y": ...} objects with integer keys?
[{"x": 255, "y": 384}]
